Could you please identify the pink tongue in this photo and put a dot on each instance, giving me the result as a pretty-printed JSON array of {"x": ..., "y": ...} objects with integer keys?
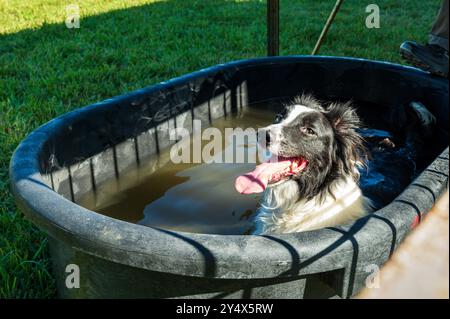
[{"x": 256, "y": 181}]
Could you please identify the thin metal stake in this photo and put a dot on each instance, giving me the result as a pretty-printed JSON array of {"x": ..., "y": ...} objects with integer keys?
[{"x": 327, "y": 26}]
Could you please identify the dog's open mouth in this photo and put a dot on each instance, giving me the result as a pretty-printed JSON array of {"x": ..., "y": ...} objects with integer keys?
[{"x": 270, "y": 172}]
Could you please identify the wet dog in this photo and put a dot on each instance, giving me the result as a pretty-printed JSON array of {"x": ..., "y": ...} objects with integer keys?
[{"x": 311, "y": 181}]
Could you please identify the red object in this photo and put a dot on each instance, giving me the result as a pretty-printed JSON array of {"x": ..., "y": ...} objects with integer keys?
[{"x": 416, "y": 221}]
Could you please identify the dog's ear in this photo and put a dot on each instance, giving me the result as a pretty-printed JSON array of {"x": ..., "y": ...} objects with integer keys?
[
  {"x": 343, "y": 117},
  {"x": 349, "y": 144}
]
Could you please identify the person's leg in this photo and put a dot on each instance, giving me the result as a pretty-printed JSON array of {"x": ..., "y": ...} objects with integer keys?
[
  {"x": 432, "y": 57},
  {"x": 439, "y": 32}
]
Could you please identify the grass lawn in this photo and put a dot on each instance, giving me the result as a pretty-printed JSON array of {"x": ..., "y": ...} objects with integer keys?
[{"x": 47, "y": 69}]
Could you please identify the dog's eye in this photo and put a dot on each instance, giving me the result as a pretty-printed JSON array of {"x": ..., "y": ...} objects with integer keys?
[
  {"x": 307, "y": 130},
  {"x": 278, "y": 118}
]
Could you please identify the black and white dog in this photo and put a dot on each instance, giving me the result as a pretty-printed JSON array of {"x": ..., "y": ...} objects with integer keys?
[{"x": 314, "y": 182}]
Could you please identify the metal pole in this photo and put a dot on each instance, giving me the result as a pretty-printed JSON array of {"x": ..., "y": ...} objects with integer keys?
[
  {"x": 273, "y": 27},
  {"x": 327, "y": 26}
]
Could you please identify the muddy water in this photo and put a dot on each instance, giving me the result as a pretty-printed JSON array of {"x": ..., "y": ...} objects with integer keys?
[{"x": 185, "y": 197}]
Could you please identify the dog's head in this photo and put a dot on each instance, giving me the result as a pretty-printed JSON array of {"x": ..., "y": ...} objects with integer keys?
[{"x": 325, "y": 137}]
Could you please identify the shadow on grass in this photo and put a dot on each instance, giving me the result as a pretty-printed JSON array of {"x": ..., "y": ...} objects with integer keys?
[{"x": 122, "y": 50}]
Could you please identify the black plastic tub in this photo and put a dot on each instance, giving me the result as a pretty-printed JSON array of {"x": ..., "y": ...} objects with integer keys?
[{"x": 70, "y": 155}]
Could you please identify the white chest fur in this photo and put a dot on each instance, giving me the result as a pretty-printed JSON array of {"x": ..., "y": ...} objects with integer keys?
[{"x": 282, "y": 211}]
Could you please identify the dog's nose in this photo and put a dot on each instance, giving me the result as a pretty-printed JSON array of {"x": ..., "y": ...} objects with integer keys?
[
  {"x": 267, "y": 137},
  {"x": 263, "y": 136}
]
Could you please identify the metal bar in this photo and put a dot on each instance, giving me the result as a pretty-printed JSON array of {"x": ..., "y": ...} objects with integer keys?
[
  {"x": 327, "y": 26},
  {"x": 273, "y": 27}
]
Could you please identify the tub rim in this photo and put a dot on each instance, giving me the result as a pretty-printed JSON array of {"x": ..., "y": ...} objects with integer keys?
[{"x": 184, "y": 253}]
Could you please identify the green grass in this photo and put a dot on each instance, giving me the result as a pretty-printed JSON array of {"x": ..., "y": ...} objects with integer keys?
[{"x": 47, "y": 69}]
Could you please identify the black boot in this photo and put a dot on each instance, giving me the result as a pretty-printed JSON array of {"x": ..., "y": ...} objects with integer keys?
[{"x": 429, "y": 57}]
